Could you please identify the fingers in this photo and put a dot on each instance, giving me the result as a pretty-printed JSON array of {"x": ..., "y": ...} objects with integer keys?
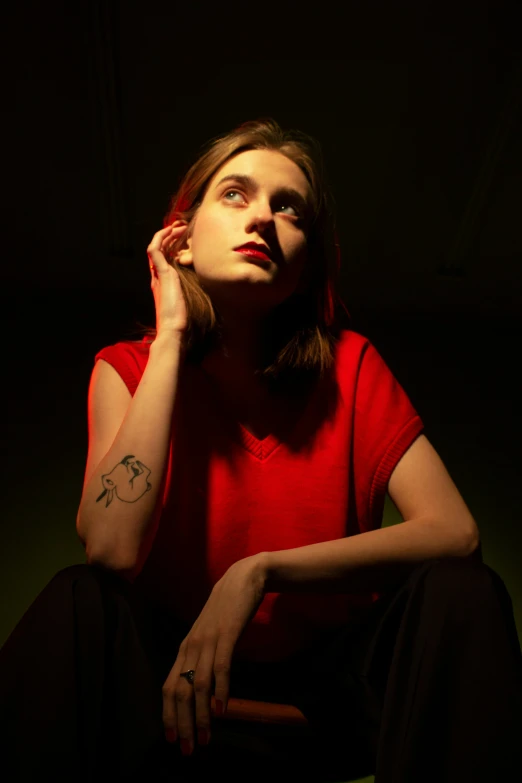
[
  {"x": 159, "y": 242},
  {"x": 191, "y": 703},
  {"x": 222, "y": 665},
  {"x": 186, "y": 707},
  {"x": 202, "y": 695},
  {"x": 171, "y": 239},
  {"x": 178, "y": 699},
  {"x": 172, "y": 685}
]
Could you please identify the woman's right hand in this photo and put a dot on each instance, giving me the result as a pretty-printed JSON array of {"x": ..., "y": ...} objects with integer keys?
[{"x": 171, "y": 309}]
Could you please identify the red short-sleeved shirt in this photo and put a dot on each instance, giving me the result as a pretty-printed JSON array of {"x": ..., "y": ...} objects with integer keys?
[{"x": 229, "y": 495}]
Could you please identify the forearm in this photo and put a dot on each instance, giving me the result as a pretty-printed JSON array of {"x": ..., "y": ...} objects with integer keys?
[
  {"x": 116, "y": 525},
  {"x": 369, "y": 561}
]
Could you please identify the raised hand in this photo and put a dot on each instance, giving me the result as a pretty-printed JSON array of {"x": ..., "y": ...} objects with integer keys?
[{"x": 171, "y": 309}]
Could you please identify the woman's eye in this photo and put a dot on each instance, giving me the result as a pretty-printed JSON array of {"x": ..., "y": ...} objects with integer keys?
[
  {"x": 230, "y": 191},
  {"x": 297, "y": 212}
]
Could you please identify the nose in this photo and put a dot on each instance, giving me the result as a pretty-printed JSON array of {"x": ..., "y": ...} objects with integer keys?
[{"x": 261, "y": 215}]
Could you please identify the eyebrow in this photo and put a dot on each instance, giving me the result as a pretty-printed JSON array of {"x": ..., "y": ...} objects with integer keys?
[{"x": 250, "y": 183}]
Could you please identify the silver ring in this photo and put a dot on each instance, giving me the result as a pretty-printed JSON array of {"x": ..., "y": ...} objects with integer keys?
[{"x": 189, "y": 676}]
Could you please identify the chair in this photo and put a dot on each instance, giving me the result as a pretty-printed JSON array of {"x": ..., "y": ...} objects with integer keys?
[
  {"x": 254, "y": 725},
  {"x": 265, "y": 738}
]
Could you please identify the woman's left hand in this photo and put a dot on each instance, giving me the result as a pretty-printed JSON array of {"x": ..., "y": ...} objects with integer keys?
[{"x": 208, "y": 649}]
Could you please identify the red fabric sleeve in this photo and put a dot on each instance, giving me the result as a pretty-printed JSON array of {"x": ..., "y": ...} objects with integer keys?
[
  {"x": 386, "y": 424},
  {"x": 129, "y": 359}
]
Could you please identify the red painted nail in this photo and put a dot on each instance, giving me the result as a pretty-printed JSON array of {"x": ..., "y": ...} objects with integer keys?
[
  {"x": 186, "y": 747},
  {"x": 203, "y": 737},
  {"x": 171, "y": 735}
]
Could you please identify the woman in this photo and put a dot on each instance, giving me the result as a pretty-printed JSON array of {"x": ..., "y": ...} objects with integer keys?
[{"x": 239, "y": 456}]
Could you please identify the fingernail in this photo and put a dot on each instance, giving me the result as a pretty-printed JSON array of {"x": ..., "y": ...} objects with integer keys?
[
  {"x": 171, "y": 735},
  {"x": 203, "y": 737},
  {"x": 186, "y": 747}
]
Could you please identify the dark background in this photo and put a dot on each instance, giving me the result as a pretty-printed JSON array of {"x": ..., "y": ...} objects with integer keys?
[{"x": 105, "y": 105}]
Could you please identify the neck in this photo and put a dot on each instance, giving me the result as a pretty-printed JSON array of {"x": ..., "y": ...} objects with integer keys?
[
  {"x": 231, "y": 365},
  {"x": 241, "y": 347}
]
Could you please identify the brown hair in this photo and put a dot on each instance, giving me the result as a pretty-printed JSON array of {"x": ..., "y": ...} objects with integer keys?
[{"x": 303, "y": 330}]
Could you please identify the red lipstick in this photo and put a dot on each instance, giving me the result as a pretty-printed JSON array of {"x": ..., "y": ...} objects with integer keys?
[{"x": 254, "y": 250}]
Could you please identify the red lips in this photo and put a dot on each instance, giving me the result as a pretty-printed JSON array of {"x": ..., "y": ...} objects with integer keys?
[{"x": 255, "y": 250}]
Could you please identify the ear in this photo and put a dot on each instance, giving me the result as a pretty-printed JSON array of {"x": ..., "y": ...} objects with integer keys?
[{"x": 183, "y": 254}]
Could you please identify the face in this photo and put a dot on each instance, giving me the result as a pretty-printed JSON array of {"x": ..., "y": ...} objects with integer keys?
[{"x": 236, "y": 212}]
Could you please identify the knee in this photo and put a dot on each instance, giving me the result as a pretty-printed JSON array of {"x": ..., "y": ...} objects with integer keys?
[
  {"x": 85, "y": 572},
  {"x": 463, "y": 581},
  {"x": 73, "y": 571}
]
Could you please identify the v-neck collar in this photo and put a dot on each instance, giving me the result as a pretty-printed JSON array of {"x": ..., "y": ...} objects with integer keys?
[{"x": 259, "y": 448}]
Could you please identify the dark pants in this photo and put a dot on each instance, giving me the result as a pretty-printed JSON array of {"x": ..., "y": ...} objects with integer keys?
[{"x": 426, "y": 685}]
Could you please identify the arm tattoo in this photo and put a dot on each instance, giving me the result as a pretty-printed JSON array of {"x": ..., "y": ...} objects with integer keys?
[{"x": 128, "y": 480}]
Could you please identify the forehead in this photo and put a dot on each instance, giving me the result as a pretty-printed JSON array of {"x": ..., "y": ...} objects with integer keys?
[{"x": 268, "y": 167}]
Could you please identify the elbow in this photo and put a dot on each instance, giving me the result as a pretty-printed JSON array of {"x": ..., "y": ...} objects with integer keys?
[
  {"x": 113, "y": 560},
  {"x": 80, "y": 529},
  {"x": 123, "y": 567},
  {"x": 474, "y": 539},
  {"x": 472, "y": 544},
  {"x": 111, "y": 556},
  {"x": 475, "y": 547}
]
